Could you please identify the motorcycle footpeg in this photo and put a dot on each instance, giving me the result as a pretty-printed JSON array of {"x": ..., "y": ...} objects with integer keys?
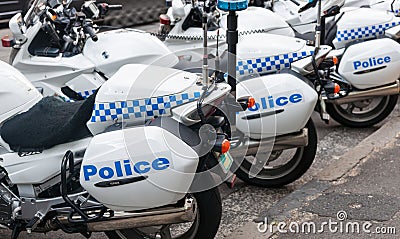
[{"x": 32, "y": 224}]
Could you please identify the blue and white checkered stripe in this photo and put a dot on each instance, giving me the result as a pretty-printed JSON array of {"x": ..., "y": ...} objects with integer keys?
[
  {"x": 85, "y": 94},
  {"x": 363, "y": 32},
  {"x": 270, "y": 63},
  {"x": 144, "y": 108}
]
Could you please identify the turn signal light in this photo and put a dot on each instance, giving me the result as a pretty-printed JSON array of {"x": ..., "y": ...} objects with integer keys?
[
  {"x": 251, "y": 102},
  {"x": 226, "y": 145},
  {"x": 337, "y": 88},
  {"x": 335, "y": 60},
  {"x": 164, "y": 19}
]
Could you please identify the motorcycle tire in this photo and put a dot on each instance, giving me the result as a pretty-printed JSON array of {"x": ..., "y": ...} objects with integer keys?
[
  {"x": 287, "y": 173},
  {"x": 366, "y": 118},
  {"x": 205, "y": 226}
]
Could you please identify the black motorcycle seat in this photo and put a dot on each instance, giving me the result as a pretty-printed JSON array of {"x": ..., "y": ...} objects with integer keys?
[{"x": 50, "y": 122}]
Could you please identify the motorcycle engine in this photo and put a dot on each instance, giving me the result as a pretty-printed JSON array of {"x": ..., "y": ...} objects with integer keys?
[{"x": 6, "y": 199}]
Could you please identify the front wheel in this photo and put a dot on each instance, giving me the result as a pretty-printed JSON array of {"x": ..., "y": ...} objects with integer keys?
[
  {"x": 205, "y": 225},
  {"x": 282, "y": 167},
  {"x": 364, "y": 113}
]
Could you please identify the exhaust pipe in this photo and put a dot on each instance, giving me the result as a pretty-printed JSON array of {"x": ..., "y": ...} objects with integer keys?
[
  {"x": 289, "y": 141},
  {"x": 161, "y": 216},
  {"x": 393, "y": 89},
  {"x": 146, "y": 219}
]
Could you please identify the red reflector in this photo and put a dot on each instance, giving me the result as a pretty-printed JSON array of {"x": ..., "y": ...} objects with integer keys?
[
  {"x": 164, "y": 19},
  {"x": 6, "y": 41}
]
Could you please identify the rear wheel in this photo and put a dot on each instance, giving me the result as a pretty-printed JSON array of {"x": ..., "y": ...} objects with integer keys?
[
  {"x": 283, "y": 167},
  {"x": 208, "y": 216},
  {"x": 365, "y": 113}
]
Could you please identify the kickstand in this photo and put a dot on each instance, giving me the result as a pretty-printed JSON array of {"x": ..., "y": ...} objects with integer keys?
[
  {"x": 16, "y": 231},
  {"x": 166, "y": 232}
]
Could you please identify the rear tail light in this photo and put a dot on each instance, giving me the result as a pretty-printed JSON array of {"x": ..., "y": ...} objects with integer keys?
[
  {"x": 6, "y": 41},
  {"x": 164, "y": 19}
]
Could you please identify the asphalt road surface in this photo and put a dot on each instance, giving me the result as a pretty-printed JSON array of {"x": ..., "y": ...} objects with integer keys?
[{"x": 244, "y": 202}]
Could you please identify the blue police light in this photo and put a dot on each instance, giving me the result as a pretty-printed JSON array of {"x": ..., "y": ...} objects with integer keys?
[{"x": 232, "y": 5}]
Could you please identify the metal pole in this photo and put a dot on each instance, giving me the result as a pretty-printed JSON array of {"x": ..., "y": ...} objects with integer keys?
[
  {"x": 318, "y": 27},
  {"x": 232, "y": 40},
  {"x": 205, "y": 52}
]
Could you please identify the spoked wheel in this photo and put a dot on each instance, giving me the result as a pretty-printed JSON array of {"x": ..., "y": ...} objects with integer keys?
[
  {"x": 363, "y": 113},
  {"x": 282, "y": 167},
  {"x": 205, "y": 226}
]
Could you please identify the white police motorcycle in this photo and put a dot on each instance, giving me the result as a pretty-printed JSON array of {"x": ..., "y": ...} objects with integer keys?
[
  {"x": 55, "y": 70},
  {"x": 117, "y": 175},
  {"x": 280, "y": 117},
  {"x": 349, "y": 30},
  {"x": 372, "y": 80},
  {"x": 357, "y": 20}
]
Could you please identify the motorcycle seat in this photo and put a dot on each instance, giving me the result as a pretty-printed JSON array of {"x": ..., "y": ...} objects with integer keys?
[{"x": 50, "y": 122}]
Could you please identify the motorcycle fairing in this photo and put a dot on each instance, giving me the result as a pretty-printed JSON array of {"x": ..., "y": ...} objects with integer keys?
[
  {"x": 36, "y": 169},
  {"x": 270, "y": 63},
  {"x": 137, "y": 93},
  {"x": 354, "y": 25},
  {"x": 146, "y": 108},
  {"x": 267, "y": 53},
  {"x": 134, "y": 47},
  {"x": 16, "y": 92}
]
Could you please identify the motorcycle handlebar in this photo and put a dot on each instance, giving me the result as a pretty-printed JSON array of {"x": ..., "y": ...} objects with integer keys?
[
  {"x": 88, "y": 28},
  {"x": 295, "y": 2},
  {"x": 115, "y": 7},
  {"x": 309, "y": 5},
  {"x": 105, "y": 7}
]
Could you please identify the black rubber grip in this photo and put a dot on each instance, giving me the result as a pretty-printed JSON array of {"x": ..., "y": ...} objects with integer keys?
[{"x": 89, "y": 30}]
